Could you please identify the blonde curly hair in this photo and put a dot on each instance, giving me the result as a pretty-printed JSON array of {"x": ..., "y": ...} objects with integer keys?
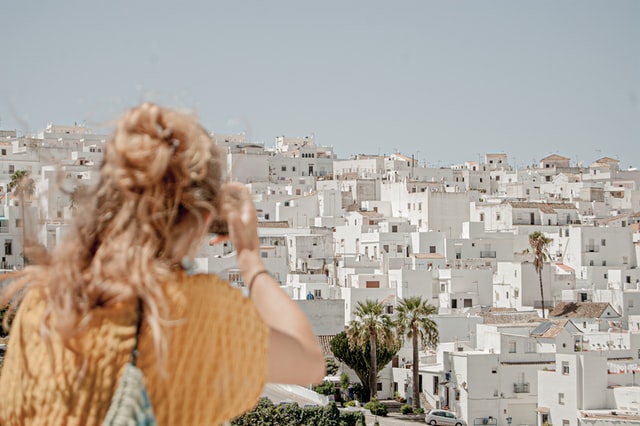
[{"x": 160, "y": 178}]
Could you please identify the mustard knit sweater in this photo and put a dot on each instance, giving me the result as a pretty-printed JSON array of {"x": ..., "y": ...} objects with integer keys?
[{"x": 215, "y": 368}]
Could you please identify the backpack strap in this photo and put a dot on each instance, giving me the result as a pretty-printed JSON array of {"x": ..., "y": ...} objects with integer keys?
[{"x": 134, "y": 352}]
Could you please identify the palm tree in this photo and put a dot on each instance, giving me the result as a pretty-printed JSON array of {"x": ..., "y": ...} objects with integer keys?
[
  {"x": 23, "y": 184},
  {"x": 539, "y": 245},
  {"x": 371, "y": 325},
  {"x": 412, "y": 320}
]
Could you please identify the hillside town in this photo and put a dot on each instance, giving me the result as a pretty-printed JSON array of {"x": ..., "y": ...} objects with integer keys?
[{"x": 519, "y": 343}]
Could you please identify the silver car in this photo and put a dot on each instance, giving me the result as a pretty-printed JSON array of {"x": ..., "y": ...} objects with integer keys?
[{"x": 444, "y": 417}]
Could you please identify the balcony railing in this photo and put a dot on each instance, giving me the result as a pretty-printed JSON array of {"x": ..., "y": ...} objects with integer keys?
[
  {"x": 592, "y": 248},
  {"x": 521, "y": 387},
  {"x": 487, "y": 254}
]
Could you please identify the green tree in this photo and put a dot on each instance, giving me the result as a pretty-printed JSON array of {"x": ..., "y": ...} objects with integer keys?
[
  {"x": 358, "y": 359},
  {"x": 539, "y": 245},
  {"x": 413, "y": 320},
  {"x": 372, "y": 325}
]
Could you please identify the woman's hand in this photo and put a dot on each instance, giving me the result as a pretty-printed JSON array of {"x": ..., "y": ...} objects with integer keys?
[
  {"x": 236, "y": 207},
  {"x": 238, "y": 210}
]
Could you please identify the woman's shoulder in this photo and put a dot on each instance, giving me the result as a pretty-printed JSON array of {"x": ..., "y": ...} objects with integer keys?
[{"x": 207, "y": 288}]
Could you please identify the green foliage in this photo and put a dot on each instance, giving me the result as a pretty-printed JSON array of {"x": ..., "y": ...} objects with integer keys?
[
  {"x": 413, "y": 319},
  {"x": 376, "y": 407},
  {"x": 358, "y": 359},
  {"x": 22, "y": 184},
  {"x": 419, "y": 410},
  {"x": 267, "y": 414},
  {"x": 361, "y": 392},
  {"x": 540, "y": 247},
  {"x": 344, "y": 381},
  {"x": 406, "y": 409},
  {"x": 325, "y": 388},
  {"x": 332, "y": 366},
  {"x": 350, "y": 404},
  {"x": 371, "y": 326}
]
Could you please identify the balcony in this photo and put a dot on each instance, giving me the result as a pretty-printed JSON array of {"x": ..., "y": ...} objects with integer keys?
[
  {"x": 487, "y": 255},
  {"x": 592, "y": 248},
  {"x": 521, "y": 387}
]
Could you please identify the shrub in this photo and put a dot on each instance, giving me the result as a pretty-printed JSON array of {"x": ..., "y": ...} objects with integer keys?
[
  {"x": 376, "y": 407},
  {"x": 325, "y": 388},
  {"x": 265, "y": 413},
  {"x": 406, "y": 409},
  {"x": 419, "y": 410},
  {"x": 350, "y": 404}
]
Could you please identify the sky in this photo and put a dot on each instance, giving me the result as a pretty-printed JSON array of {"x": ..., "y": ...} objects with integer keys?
[{"x": 445, "y": 81}]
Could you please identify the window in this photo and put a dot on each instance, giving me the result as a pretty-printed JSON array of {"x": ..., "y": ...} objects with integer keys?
[
  {"x": 603, "y": 242},
  {"x": 467, "y": 303},
  {"x": 516, "y": 292},
  {"x": 379, "y": 386},
  {"x": 494, "y": 370},
  {"x": 435, "y": 384},
  {"x": 565, "y": 367},
  {"x": 4, "y": 152},
  {"x": 385, "y": 248},
  {"x": 317, "y": 293},
  {"x": 372, "y": 284},
  {"x": 398, "y": 248},
  {"x": 12, "y": 168},
  {"x": 8, "y": 247},
  {"x": 531, "y": 347},
  {"x": 443, "y": 287},
  {"x": 283, "y": 168},
  {"x": 389, "y": 309},
  {"x": 234, "y": 277},
  {"x": 630, "y": 303},
  {"x": 394, "y": 228},
  {"x": 432, "y": 249},
  {"x": 512, "y": 347},
  {"x": 481, "y": 217},
  {"x": 497, "y": 216},
  {"x": 561, "y": 398},
  {"x": 454, "y": 303},
  {"x": 18, "y": 223},
  {"x": 565, "y": 422}
]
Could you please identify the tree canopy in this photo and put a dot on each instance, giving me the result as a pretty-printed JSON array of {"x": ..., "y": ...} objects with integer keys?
[{"x": 358, "y": 359}]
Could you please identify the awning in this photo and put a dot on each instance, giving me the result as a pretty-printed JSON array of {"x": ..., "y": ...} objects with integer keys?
[{"x": 543, "y": 410}]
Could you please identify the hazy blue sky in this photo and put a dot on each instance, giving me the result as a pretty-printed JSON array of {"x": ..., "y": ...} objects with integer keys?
[{"x": 442, "y": 80}]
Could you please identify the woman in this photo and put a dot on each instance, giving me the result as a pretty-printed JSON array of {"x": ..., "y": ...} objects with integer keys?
[{"x": 205, "y": 349}]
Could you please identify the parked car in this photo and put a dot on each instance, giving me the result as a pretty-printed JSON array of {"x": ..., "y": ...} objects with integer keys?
[{"x": 443, "y": 417}]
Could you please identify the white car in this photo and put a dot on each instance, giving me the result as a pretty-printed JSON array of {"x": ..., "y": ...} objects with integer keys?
[{"x": 443, "y": 417}]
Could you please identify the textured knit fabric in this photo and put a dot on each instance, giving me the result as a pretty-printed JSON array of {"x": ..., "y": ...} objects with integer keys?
[{"x": 215, "y": 369}]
